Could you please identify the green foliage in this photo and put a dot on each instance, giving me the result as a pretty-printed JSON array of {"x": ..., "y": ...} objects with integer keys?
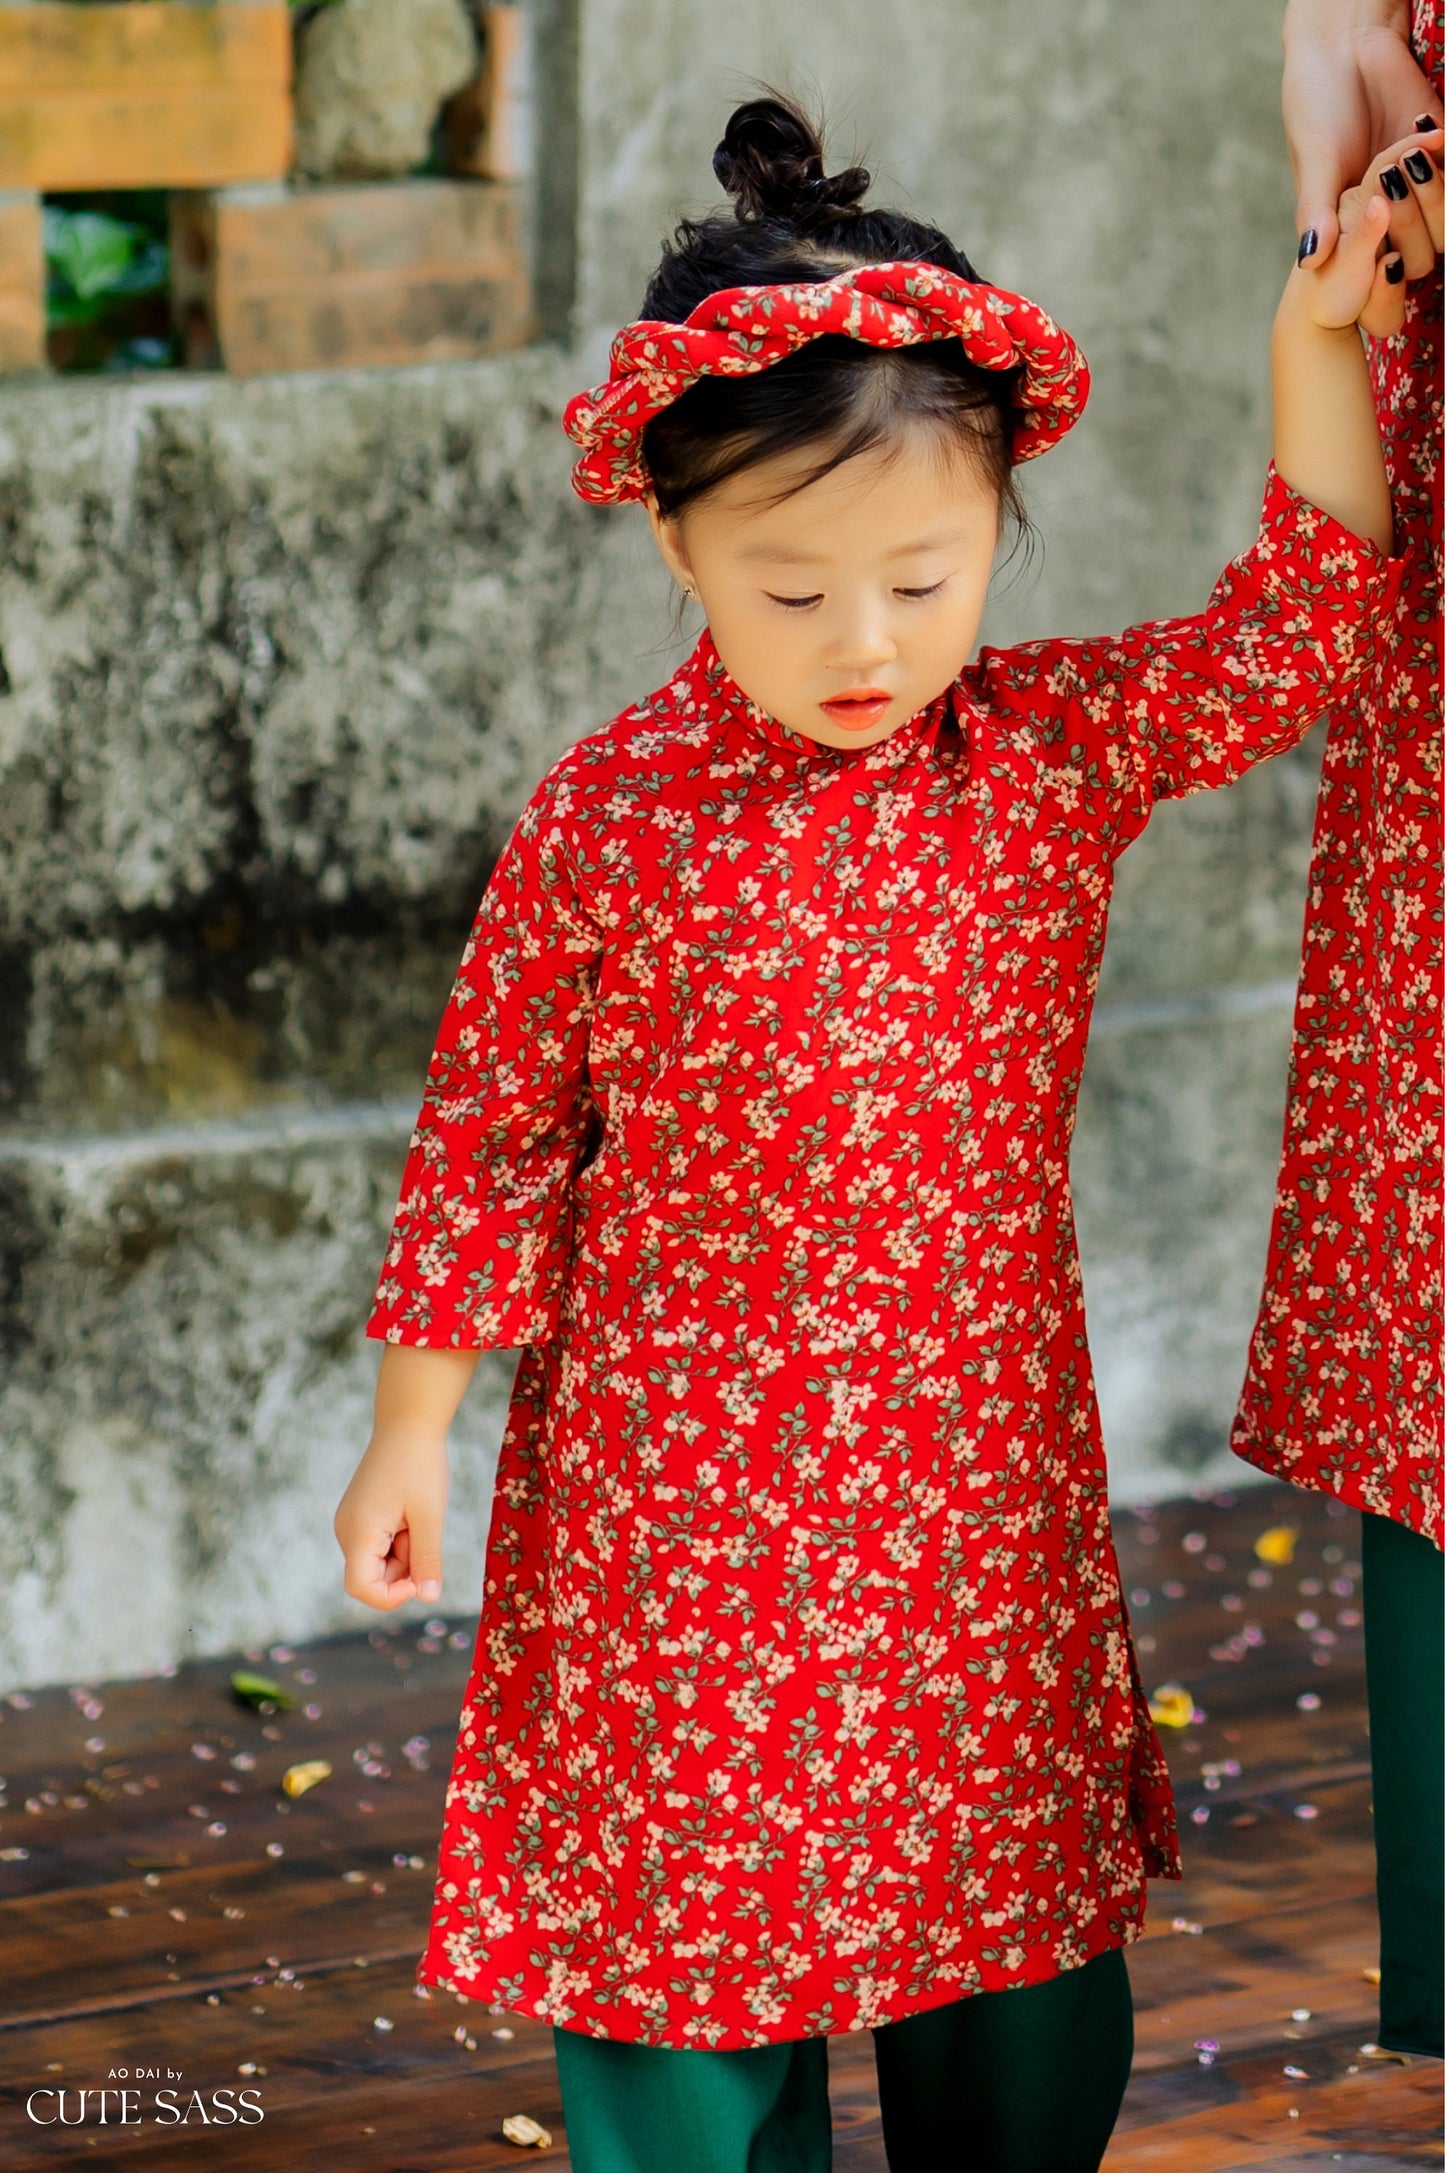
[
  {"x": 90, "y": 256},
  {"x": 107, "y": 263}
]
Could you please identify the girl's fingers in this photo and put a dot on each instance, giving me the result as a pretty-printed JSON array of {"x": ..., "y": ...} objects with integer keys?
[
  {"x": 1339, "y": 291},
  {"x": 380, "y": 1571}
]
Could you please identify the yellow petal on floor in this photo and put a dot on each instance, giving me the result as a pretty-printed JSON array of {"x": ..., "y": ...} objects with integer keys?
[
  {"x": 1172, "y": 1706},
  {"x": 1276, "y": 1546},
  {"x": 521, "y": 2128},
  {"x": 297, "y": 1779}
]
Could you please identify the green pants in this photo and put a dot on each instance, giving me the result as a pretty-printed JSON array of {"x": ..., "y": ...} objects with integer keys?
[
  {"x": 1403, "y": 1587},
  {"x": 1025, "y": 2081}
]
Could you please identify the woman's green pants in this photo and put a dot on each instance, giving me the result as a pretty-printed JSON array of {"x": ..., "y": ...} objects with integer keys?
[
  {"x": 1022, "y": 2081},
  {"x": 1403, "y": 1587}
]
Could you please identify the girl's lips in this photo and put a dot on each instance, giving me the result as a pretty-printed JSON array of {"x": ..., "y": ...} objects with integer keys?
[{"x": 857, "y": 710}]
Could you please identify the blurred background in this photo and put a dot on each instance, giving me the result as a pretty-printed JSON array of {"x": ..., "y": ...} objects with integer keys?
[{"x": 296, "y": 606}]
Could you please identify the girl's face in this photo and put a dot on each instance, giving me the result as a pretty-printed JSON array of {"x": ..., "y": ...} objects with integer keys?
[{"x": 844, "y": 609}]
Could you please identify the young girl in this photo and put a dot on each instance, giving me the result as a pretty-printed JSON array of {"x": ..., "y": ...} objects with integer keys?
[{"x": 803, "y": 1698}]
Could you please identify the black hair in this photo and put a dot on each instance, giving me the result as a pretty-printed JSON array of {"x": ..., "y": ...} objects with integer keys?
[{"x": 791, "y": 221}]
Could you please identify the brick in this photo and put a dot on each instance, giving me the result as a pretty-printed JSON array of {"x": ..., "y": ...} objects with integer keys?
[
  {"x": 144, "y": 94},
  {"x": 348, "y": 277},
  {"x": 22, "y": 284},
  {"x": 485, "y": 126}
]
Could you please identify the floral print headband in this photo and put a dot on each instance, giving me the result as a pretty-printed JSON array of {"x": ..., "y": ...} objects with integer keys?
[{"x": 743, "y": 329}]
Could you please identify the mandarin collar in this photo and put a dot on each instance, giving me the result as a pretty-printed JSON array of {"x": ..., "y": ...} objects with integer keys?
[{"x": 710, "y": 689}]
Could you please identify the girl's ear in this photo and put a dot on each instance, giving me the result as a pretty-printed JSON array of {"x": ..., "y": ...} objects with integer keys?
[{"x": 668, "y": 539}]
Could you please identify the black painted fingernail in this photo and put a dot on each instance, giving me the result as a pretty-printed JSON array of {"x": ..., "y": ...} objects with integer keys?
[
  {"x": 1418, "y": 167},
  {"x": 1394, "y": 270},
  {"x": 1309, "y": 242},
  {"x": 1394, "y": 184},
  {"x": 1424, "y": 125}
]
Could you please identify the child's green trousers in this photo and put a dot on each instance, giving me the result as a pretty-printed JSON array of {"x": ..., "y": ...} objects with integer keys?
[
  {"x": 1403, "y": 1589},
  {"x": 1023, "y": 2081}
]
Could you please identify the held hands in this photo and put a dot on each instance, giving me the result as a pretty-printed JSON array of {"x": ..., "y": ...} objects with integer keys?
[
  {"x": 1390, "y": 230},
  {"x": 1351, "y": 86}
]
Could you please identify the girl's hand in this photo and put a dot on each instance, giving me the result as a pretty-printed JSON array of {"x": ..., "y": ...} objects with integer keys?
[
  {"x": 1351, "y": 85},
  {"x": 388, "y": 1523},
  {"x": 1355, "y": 280}
]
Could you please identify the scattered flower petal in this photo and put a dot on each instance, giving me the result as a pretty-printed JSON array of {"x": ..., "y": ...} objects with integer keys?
[
  {"x": 521, "y": 2128},
  {"x": 1171, "y": 1706},
  {"x": 297, "y": 1779}
]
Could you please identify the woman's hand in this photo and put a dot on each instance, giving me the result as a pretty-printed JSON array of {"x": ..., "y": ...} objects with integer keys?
[
  {"x": 388, "y": 1523},
  {"x": 1409, "y": 176},
  {"x": 1351, "y": 87}
]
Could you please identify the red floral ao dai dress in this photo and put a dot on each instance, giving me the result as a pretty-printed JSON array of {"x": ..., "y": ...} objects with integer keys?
[
  {"x": 1344, "y": 1391},
  {"x": 803, "y": 1696}
]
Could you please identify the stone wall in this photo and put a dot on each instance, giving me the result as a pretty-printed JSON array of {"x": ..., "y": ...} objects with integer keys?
[{"x": 279, "y": 663}]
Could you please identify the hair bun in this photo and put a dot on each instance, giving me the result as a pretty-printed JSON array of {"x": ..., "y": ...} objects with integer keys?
[{"x": 770, "y": 161}]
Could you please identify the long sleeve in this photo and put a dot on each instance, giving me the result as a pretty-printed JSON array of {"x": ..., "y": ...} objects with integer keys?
[
  {"x": 478, "y": 1247},
  {"x": 1114, "y": 723}
]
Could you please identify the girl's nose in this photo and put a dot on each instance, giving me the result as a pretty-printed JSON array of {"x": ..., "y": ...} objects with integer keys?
[{"x": 862, "y": 645}]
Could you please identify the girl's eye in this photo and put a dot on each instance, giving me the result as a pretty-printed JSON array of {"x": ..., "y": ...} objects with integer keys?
[{"x": 802, "y": 603}]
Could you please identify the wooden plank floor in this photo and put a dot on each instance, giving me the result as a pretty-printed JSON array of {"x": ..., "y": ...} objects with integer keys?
[{"x": 165, "y": 1907}]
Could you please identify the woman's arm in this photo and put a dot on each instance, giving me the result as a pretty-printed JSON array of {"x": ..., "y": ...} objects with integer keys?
[{"x": 1350, "y": 86}]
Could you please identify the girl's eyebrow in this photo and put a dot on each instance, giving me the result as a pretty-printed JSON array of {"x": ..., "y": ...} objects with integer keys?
[{"x": 780, "y": 554}]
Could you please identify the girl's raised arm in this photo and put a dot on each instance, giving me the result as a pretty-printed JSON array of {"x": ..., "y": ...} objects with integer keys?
[
  {"x": 1326, "y": 441},
  {"x": 1175, "y": 706}
]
